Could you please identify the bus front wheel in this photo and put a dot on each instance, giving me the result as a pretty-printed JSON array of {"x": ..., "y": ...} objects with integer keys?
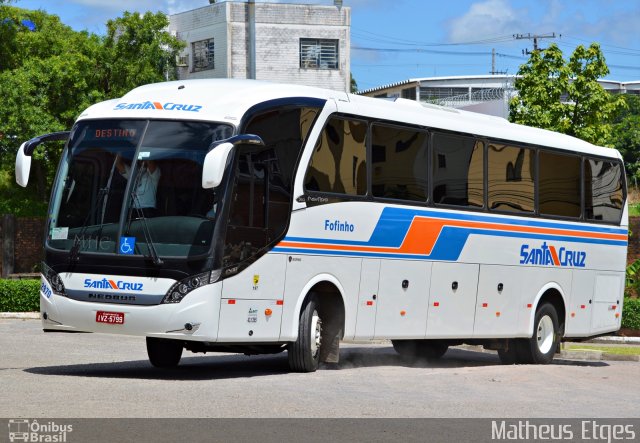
[
  {"x": 164, "y": 353},
  {"x": 304, "y": 353}
]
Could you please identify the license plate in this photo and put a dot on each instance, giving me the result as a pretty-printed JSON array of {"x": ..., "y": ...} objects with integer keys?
[{"x": 112, "y": 318}]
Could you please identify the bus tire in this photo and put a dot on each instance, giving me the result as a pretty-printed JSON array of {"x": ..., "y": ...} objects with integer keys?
[
  {"x": 541, "y": 347},
  {"x": 304, "y": 353},
  {"x": 164, "y": 353},
  {"x": 413, "y": 349}
]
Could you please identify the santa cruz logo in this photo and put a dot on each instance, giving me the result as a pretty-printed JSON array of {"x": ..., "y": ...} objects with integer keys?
[
  {"x": 157, "y": 105},
  {"x": 550, "y": 256},
  {"x": 119, "y": 285}
]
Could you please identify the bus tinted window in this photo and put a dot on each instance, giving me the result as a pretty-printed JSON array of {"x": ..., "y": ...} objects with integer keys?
[
  {"x": 399, "y": 161},
  {"x": 559, "y": 184},
  {"x": 458, "y": 170},
  {"x": 338, "y": 163},
  {"x": 510, "y": 175},
  {"x": 603, "y": 190}
]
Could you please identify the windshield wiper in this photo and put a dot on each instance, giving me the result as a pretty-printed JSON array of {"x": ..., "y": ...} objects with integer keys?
[
  {"x": 145, "y": 227},
  {"x": 74, "y": 252}
]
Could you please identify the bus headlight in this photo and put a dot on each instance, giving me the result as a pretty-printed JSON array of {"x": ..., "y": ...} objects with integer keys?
[
  {"x": 179, "y": 290},
  {"x": 54, "y": 280}
]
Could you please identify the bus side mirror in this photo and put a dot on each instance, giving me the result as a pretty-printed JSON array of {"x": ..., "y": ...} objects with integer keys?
[
  {"x": 214, "y": 164},
  {"x": 23, "y": 158},
  {"x": 216, "y": 159},
  {"x": 23, "y": 166}
]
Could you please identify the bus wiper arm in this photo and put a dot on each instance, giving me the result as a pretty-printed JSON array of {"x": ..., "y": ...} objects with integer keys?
[
  {"x": 74, "y": 252},
  {"x": 145, "y": 230}
]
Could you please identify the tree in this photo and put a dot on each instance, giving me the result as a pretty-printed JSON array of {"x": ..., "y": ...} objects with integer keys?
[
  {"x": 625, "y": 136},
  {"x": 354, "y": 84},
  {"x": 585, "y": 110},
  {"x": 49, "y": 73},
  {"x": 138, "y": 50}
]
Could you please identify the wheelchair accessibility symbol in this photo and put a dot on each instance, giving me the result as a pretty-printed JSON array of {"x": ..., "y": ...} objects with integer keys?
[{"x": 127, "y": 245}]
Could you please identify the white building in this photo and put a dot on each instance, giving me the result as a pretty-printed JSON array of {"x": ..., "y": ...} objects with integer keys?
[
  {"x": 287, "y": 43},
  {"x": 487, "y": 94}
]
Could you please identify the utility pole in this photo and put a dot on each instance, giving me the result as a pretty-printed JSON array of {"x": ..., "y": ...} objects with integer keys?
[
  {"x": 535, "y": 38},
  {"x": 493, "y": 63}
]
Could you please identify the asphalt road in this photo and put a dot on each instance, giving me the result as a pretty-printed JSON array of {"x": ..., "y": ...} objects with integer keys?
[{"x": 92, "y": 375}]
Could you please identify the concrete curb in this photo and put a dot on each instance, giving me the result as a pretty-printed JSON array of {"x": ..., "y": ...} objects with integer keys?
[
  {"x": 20, "y": 315},
  {"x": 614, "y": 339}
]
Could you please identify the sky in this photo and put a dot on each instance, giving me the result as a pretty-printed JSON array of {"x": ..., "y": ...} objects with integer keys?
[{"x": 394, "y": 40}]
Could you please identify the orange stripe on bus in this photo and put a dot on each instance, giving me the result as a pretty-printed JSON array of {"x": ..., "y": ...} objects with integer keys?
[{"x": 423, "y": 233}]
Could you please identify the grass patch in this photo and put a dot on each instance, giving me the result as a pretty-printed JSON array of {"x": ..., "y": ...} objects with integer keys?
[
  {"x": 621, "y": 350},
  {"x": 634, "y": 210}
]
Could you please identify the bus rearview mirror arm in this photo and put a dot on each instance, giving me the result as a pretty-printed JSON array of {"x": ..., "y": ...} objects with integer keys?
[
  {"x": 218, "y": 155},
  {"x": 23, "y": 158}
]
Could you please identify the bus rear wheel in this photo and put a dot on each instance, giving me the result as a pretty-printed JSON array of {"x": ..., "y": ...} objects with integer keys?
[
  {"x": 541, "y": 347},
  {"x": 164, "y": 353},
  {"x": 304, "y": 353},
  {"x": 413, "y": 349}
]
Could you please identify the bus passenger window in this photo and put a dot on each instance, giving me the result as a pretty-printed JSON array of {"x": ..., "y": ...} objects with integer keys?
[
  {"x": 559, "y": 184},
  {"x": 338, "y": 164},
  {"x": 603, "y": 190},
  {"x": 458, "y": 170},
  {"x": 510, "y": 178},
  {"x": 399, "y": 162}
]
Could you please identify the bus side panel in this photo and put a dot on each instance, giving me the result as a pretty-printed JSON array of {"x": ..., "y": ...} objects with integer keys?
[
  {"x": 499, "y": 307},
  {"x": 607, "y": 301},
  {"x": 305, "y": 271},
  {"x": 535, "y": 282},
  {"x": 580, "y": 308},
  {"x": 402, "y": 300},
  {"x": 452, "y": 300},
  {"x": 367, "y": 299},
  {"x": 263, "y": 280}
]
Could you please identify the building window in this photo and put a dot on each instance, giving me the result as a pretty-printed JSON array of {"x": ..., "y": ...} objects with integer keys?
[
  {"x": 203, "y": 55},
  {"x": 318, "y": 54}
]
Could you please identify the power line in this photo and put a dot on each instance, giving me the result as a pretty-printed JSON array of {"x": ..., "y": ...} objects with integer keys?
[{"x": 535, "y": 38}]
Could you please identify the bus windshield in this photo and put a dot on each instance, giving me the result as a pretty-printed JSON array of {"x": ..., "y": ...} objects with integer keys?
[{"x": 132, "y": 186}]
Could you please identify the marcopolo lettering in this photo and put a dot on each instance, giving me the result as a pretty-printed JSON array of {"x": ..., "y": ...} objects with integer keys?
[
  {"x": 339, "y": 226},
  {"x": 157, "y": 105},
  {"x": 548, "y": 255},
  {"x": 110, "y": 284},
  {"x": 113, "y": 297}
]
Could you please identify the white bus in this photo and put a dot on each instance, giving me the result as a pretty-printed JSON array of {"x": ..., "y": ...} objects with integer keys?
[{"x": 244, "y": 216}]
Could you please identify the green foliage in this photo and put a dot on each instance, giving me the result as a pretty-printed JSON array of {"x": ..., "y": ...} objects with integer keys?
[
  {"x": 354, "y": 84},
  {"x": 49, "y": 74},
  {"x": 19, "y": 295},
  {"x": 631, "y": 313},
  {"x": 625, "y": 136},
  {"x": 587, "y": 110},
  {"x": 137, "y": 51},
  {"x": 632, "y": 278}
]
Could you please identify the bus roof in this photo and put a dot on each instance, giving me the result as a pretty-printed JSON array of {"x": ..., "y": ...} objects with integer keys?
[{"x": 227, "y": 100}]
